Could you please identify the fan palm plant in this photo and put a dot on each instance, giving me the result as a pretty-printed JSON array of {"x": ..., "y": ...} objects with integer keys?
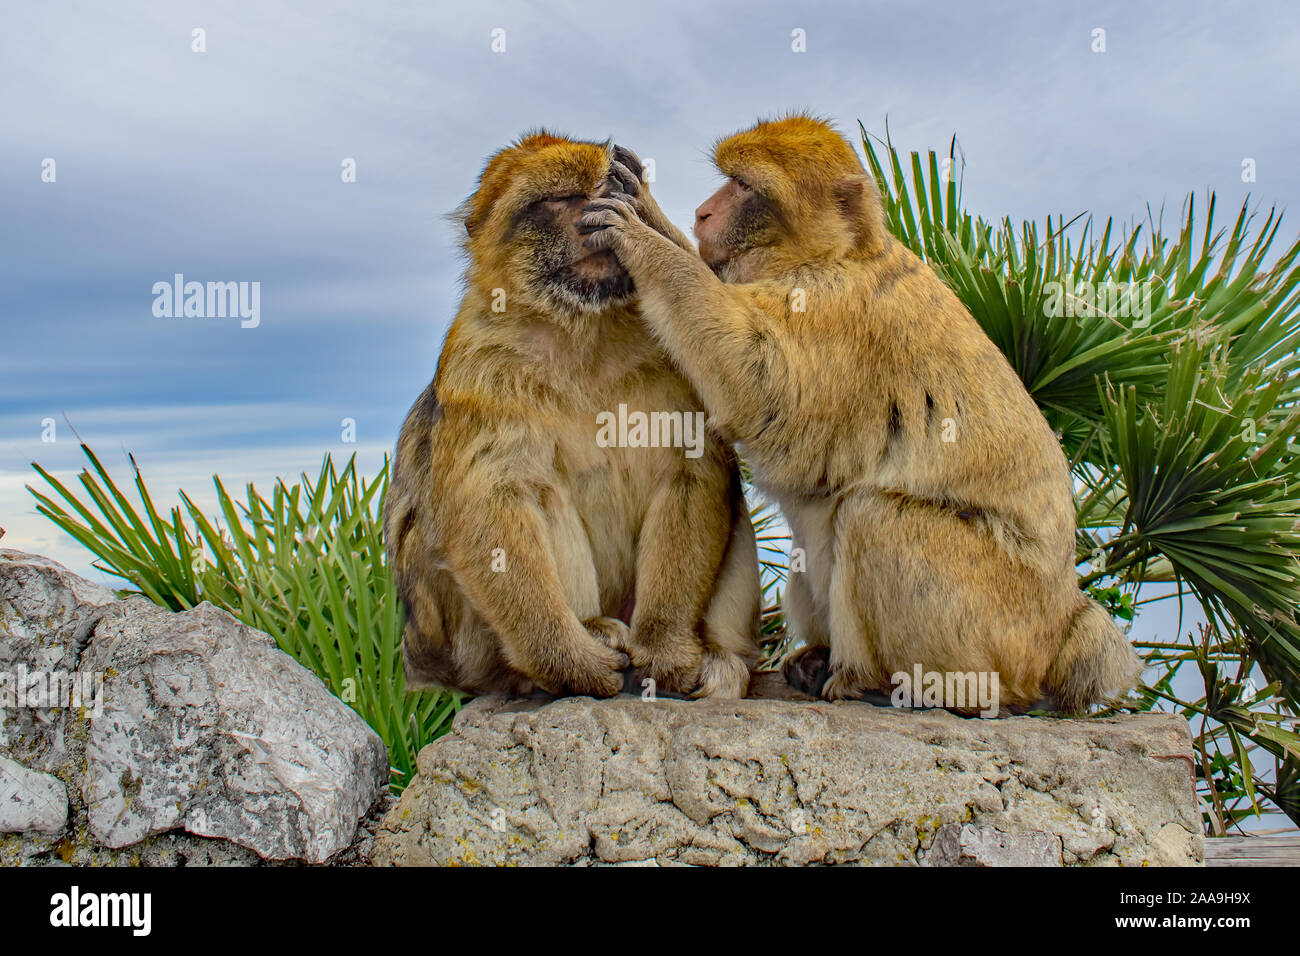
[
  {"x": 1170, "y": 369},
  {"x": 307, "y": 566}
]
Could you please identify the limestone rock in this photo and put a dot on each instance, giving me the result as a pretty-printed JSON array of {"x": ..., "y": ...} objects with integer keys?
[
  {"x": 199, "y": 742},
  {"x": 207, "y": 725},
  {"x": 46, "y": 616},
  {"x": 624, "y": 781},
  {"x": 30, "y": 800},
  {"x": 962, "y": 844},
  {"x": 46, "y": 611}
]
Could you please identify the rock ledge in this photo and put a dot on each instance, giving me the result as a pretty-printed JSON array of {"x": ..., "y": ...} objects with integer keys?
[{"x": 783, "y": 782}]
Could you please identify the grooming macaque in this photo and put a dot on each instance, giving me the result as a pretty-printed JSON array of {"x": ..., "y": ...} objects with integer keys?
[
  {"x": 524, "y": 539},
  {"x": 924, "y": 489}
]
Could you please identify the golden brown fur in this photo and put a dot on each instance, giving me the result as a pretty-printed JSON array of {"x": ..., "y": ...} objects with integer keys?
[
  {"x": 518, "y": 543},
  {"x": 928, "y": 492}
]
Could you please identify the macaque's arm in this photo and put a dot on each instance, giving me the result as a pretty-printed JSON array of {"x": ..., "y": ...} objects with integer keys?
[{"x": 729, "y": 345}]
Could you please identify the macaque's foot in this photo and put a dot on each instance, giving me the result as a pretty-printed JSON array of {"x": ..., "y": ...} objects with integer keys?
[
  {"x": 671, "y": 659},
  {"x": 807, "y": 669},
  {"x": 722, "y": 674},
  {"x": 847, "y": 683},
  {"x": 599, "y": 675},
  {"x": 595, "y": 668}
]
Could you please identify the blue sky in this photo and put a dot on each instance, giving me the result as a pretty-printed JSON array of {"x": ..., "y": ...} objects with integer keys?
[{"x": 225, "y": 166}]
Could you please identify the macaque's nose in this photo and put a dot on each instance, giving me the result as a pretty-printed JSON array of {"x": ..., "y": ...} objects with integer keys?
[{"x": 701, "y": 214}]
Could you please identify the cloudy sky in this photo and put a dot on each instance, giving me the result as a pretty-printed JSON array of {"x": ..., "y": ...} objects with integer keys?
[{"x": 225, "y": 165}]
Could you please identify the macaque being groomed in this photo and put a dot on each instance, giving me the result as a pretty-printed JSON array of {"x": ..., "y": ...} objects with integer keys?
[
  {"x": 523, "y": 534},
  {"x": 926, "y": 492}
]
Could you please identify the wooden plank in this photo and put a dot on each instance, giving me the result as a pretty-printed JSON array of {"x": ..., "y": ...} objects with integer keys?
[{"x": 1281, "y": 850}]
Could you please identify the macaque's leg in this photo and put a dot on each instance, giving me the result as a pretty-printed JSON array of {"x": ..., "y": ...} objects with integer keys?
[
  {"x": 731, "y": 623},
  {"x": 683, "y": 538},
  {"x": 522, "y": 577}
]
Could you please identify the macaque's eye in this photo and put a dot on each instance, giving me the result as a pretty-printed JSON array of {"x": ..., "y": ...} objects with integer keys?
[
  {"x": 559, "y": 200},
  {"x": 744, "y": 186}
]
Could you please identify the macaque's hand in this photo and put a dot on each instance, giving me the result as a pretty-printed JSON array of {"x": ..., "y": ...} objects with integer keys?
[
  {"x": 627, "y": 176},
  {"x": 613, "y": 224},
  {"x": 627, "y": 168}
]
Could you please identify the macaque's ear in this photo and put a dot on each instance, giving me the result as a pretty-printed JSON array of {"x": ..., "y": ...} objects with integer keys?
[
  {"x": 849, "y": 195},
  {"x": 472, "y": 223},
  {"x": 859, "y": 203},
  {"x": 468, "y": 217}
]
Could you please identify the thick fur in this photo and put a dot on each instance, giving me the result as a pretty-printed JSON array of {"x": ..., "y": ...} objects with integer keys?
[
  {"x": 955, "y": 554},
  {"x": 528, "y": 557}
]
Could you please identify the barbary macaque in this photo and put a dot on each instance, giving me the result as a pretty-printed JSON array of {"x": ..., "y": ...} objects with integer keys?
[
  {"x": 925, "y": 491},
  {"x": 532, "y": 551}
]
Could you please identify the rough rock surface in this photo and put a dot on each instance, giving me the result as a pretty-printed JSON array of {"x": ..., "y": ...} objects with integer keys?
[
  {"x": 630, "y": 781},
  {"x": 209, "y": 726},
  {"x": 46, "y": 616},
  {"x": 30, "y": 800},
  {"x": 964, "y": 844},
  {"x": 203, "y": 742}
]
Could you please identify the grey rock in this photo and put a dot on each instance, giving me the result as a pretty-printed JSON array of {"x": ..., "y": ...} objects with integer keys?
[
  {"x": 46, "y": 611},
  {"x": 957, "y": 844},
  {"x": 209, "y": 727},
  {"x": 209, "y": 746},
  {"x": 785, "y": 782},
  {"x": 46, "y": 616},
  {"x": 30, "y": 800}
]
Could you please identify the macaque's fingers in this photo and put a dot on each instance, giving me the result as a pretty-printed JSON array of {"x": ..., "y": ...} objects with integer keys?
[
  {"x": 615, "y": 204},
  {"x": 722, "y": 674},
  {"x": 846, "y": 683},
  {"x": 599, "y": 672},
  {"x": 604, "y": 222},
  {"x": 671, "y": 658},
  {"x": 626, "y": 179},
  {"x": 629, "y": 160},
  {"x": 598, "y": 220},
  {"x": 613, "y": 633},
  {"x": 602, "y": 240},
  {"x": 808, "y": 669},
  {"x": 615, "y": 660}
]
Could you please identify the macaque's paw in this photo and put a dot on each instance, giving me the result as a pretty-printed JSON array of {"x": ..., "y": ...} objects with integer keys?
[
  {"x": 611, "y": 632},
  {"x": 672, "y": 660},
  {"x": 847, "y": 683},
  {"x": 628, "y": 169},
  {"x": 598, "y": 669},
  {"x": 807, "y": 669},
  {"x": 607, "y": 221},
  {"x": 722, "y": 674}
]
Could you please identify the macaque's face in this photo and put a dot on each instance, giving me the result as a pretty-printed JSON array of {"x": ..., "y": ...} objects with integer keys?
[
  {"x": 521, "y": 227},
  {"x": 547, "y": 229},
  {"x": 733, "y": 220}
]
